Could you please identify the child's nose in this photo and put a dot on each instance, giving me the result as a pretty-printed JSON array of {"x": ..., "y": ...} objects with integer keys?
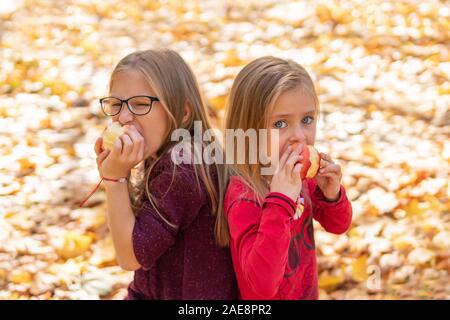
[
  {"x": 298, "y": 135},
  {"x": 125, "y": 115}
]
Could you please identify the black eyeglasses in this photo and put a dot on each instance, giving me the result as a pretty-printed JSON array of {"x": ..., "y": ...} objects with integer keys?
[{"x": 138, "y": 105}]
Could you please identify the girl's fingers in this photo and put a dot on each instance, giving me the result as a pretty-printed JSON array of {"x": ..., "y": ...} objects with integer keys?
[
  {"x": 142, "y": 147},
  {"x": 323, "y": 163},
  {"x": 297, "y": 169},
  {"x": 326, "y": 163},
  {"x": 101, "y": 157},
  {"x": 296, "y": 155},
  {"x": 282, "y": 160},
  {"x": 127, "y": 145},
  {"x": 117, "y": 148},
  {"x": 137, "y": 141},
  {"x": 327, "y": 158},
  {"x": 291, "y": 168},
  {"x": 141, "y": 153},
  {"x": 128, "y": 133},
  {"x": 293, "y": 158},
  {"x": 98, "y": 148},
  {"x": 331, "y": 168},
  {"x": 324, "y": 156},
  {"x": 104, "y": 155},
  {"x": 292, "y": 161},
  {"x": 333, "y": 172},
  {"x": 295, "y": 174},
  {"x": 285, "y": 156},
  {"x": 331, "y": 176}
]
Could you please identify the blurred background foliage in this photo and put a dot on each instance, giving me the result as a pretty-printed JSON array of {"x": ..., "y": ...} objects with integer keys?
[{"x": 381, "y": 69}]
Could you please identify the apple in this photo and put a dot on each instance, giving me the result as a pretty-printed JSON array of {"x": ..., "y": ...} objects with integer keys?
[
  {"x": 310, "y": 162},
  {"x": 112, "y": 132}
]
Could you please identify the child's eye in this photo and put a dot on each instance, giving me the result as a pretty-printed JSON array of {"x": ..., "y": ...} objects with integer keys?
[
  {"x": 308, "y": 120},
  {"x": 280, "y": 124}
]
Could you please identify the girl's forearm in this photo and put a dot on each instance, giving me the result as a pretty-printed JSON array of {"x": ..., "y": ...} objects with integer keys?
[{"x": 121, "y": 221}]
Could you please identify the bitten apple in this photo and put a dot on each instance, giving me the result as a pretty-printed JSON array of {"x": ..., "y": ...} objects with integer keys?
[
  {"x": 112, "y": 132},
  {"x": 310, "y": 162}
]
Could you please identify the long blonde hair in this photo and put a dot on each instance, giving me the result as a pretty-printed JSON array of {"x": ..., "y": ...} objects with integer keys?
[
  {"x": 176, "y": 87},
  {"x": 253, "y": 95}
]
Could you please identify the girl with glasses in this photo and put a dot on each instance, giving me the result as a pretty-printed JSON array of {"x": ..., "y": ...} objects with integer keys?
[{"x": 168, "y": 226}]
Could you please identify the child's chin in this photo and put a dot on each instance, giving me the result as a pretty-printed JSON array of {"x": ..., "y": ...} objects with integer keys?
[{"x": 151, "y": 155}]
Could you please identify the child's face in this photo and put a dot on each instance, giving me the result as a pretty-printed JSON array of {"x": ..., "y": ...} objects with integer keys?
[
  {"x": 294, "y": 116},
  {"x": 154, "y": 125}
]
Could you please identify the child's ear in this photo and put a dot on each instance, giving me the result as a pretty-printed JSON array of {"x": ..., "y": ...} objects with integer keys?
[{"x": 187, "y": 113}]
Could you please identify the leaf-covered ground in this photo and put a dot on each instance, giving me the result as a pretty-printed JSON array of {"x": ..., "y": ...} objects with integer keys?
[{"x": 382, "y": 72}]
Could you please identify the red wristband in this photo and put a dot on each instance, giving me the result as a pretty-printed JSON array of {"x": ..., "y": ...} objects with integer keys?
[
  {"x": 120, "y": 180},
  {"x": 115, "y": 180}
]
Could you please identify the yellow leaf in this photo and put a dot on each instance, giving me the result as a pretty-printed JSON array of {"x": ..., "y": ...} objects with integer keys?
[
  {"x": 359, "y": 269},
  {"x": 404, "y": 242},
  {"x": 434, "y": 204},
  {"x": 218, "y": 103},
  {"x": 14, "y": 296},
  {"x": 232, "y": 59},
  {"x": 75, "y": 244},
  {"x": 26, "y": 164},
  {"x": 3, "y": 274},
  {"x": 329, "y": 282},
  {"x": 370, "y": 151},
  {"x": 46, "y": 123},
  {"x": 20, "y": 277},
  {"x": 20, "y": 220},
  {"x": 371, "y": 108},
  {"x": 413, "y": 208}
]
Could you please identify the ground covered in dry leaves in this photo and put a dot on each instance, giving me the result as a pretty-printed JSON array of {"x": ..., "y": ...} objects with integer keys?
[{"x": 382, "y": 72}]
